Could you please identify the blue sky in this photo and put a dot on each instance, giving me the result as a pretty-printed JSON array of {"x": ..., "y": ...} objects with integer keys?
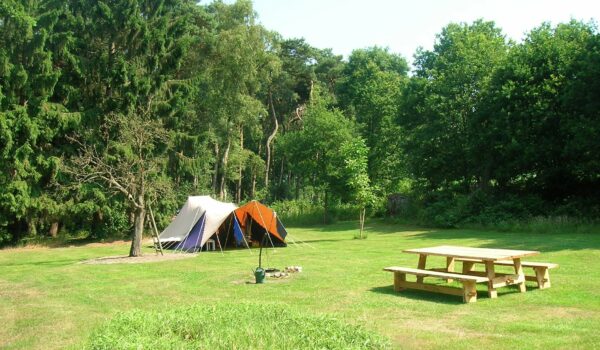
[{"x": 344, "y": 25}]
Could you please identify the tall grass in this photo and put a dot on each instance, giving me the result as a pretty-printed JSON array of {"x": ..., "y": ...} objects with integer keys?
[
  {"x": 304, "y": 213},
  {"x": 231, "y": 326},
  {"x": 549, "y": 224}
]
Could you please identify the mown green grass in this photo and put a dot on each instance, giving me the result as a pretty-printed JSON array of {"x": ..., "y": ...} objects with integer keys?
[
  {"x": 49, "y": 301},
  {"x": 231, "y": 325}
]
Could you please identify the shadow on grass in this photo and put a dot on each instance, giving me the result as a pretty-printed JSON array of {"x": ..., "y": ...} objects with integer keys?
[
  {"x": 419, "y": 295},
  {"x": 55, "y": 263},
  {"x": 515, "y": 240},
  {"x": 482, "y": 294},
  {"x": 544, "y": 242},
  {"x": 323, "y": 240}
]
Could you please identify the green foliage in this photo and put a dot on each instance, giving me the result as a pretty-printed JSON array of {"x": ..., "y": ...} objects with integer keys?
[
  {"x": 370, "y": 91},
  {"x": 231, "y": 326},
  {"x": 314, "y": 153},
  {"x": 441, "y": 109},
  {"x": 32, "y": 125},
  {"x": 305, "y": 212},
  {"x": 485, "y": 131},
  {"x": 354, "y": 172}
]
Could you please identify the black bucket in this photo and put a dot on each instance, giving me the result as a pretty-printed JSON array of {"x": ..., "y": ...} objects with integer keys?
[{"x": 259, "y": 275}]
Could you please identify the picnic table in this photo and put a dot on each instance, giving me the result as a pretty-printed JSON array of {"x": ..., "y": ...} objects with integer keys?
[
  {"x": 470, "y": 256},
  {"x": 487, "y": 255}
]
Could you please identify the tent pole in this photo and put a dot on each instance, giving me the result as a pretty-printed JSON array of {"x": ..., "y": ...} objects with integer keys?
[
  {"x": 243, "y": 236},
  {"x": 229, "y": 229},
  {"x": 200, "y": 234},
  {"x": 219, "y": 241},
  {"x": 264, "y": 224}
]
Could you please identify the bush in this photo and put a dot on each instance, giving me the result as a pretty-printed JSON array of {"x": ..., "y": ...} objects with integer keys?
[
  {"x": 503, "y": 212},
  {"x": 231, "y": 326}
]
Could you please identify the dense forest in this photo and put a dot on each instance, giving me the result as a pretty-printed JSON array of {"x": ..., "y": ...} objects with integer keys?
[{"x": 109, "y": 108}]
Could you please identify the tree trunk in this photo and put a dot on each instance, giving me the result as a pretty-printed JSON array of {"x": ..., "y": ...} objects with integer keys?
[
  {"x": 53, "y": 229},
  {"x": 325, "y": 207},
  {"x": 254, "y": 174},
  {"x": 270, "y": 139},
  {"x": 136, "y": 242},
  {"x": 222, "y": 194},
  {"x": 281, "y": 171},
  {"x": 216, "y": 169},
  {"x": 362, "y": 222},
  {"x": 238, "y": 194}
]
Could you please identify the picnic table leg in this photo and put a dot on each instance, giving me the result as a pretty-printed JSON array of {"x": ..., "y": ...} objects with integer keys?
[
  {"x": 543, "y": 277},
  {"x": 519, "y": 271},
  {"x": 449, "y": 267},
  {"x": 399, "y": 277},
  {"x": 491, "y": 274},
  {"x": 469, "y": 292},
  {"x": 467, "y": 266},
  {"x": 422, "y": 262}
]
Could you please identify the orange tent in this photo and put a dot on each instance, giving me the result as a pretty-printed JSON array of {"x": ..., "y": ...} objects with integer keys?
[{"x": 255, "y": 213}]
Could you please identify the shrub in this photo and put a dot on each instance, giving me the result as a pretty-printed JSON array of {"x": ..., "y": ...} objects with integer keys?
[{"x": 231, "y": 326}]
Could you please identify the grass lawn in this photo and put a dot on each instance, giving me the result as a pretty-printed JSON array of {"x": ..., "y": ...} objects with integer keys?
[{"x": 49, "y": 301}]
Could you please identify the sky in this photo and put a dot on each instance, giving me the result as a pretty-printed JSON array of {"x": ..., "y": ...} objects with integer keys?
[{"x": 402, "y": 26}]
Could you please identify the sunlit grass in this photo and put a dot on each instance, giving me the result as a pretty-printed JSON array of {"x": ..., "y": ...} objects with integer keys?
[{"x": 50, "y": 301}]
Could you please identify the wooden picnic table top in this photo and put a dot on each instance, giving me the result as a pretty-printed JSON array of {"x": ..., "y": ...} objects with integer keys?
[{"x": 473, "y": 253}]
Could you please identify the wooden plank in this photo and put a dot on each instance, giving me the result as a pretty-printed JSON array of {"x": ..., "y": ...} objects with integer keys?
[
  {"x": 156, "y": 234},
  {"x": 473, "y": 253},
  {"x": 529, "y": 264},
  {"x": 421, "y": 265},
  {"x": 431, "y": 288},
  {"x": 482, "y": 273},
  {"x": 430, "y": 273},
  {"x": 506, "y": 280},
  {"x": 532, "y": 264}
]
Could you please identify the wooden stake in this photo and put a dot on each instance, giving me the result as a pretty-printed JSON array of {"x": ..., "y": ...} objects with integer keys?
[{"x": 160, "y": 248}]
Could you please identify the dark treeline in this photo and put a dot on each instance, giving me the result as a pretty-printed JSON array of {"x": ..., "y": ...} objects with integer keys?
[{"x": 110, "y": 108}]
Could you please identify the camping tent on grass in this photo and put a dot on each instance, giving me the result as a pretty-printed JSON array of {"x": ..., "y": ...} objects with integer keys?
[
  {"x": 198, "y": 220},
  {"x": 202, "y": 218},
  {"x": 256, "y": 219}
]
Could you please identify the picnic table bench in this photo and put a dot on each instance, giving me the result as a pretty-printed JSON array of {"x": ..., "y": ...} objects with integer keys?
[
  {"x": 468, "y": 291},
  {"x": 542, "y": 275},
  {"x": 470, "y": 256}
]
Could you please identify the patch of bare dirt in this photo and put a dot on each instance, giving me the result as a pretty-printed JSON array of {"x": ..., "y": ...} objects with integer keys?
[{"x": 124, "y": 259}]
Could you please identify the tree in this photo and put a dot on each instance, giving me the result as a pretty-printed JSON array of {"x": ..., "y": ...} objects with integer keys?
[
  {"x": 32, "y": 124},
  {"x": 442, "y": 106},
  {"x": 355, "y": 175},
  {"x": 236, "y": 71},
  {"x": 544, "y": 116},
  {"x": 370, "y": 92},
  {"x": 129, "y": 59},
  {"x": 129, "y": 164},
  {"x": 313, "y": 150}
]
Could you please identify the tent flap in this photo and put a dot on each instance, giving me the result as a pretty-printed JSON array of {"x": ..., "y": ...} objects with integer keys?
[{"x": 193, "y": 239}]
